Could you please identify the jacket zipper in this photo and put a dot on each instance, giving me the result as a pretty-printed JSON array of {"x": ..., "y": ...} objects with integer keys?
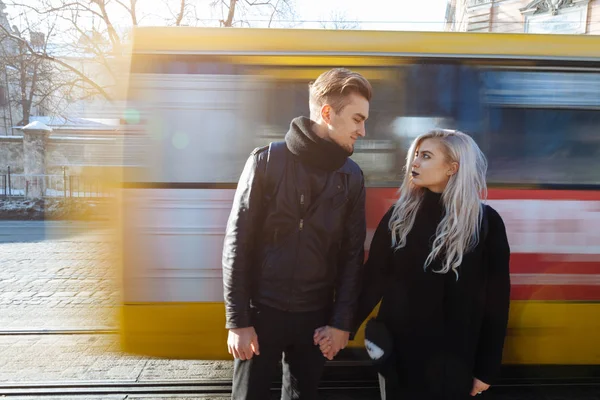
[
  {"x": 301, "y": 223},
  {"x": 300, "y": 227}
]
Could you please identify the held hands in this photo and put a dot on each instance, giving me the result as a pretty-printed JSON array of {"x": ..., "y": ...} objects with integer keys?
[
  {"x": 243, "y": 343},
  {"x": 479, "y": 387},
  {"x": 330, "y": 340}
]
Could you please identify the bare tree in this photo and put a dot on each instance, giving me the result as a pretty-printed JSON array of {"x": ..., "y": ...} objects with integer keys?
[
  {"x": 31, "y": 82},
  {"x": 25, "y": 74},
  {"x": 339, "y": 20},
  {"x": 93, "y": 37},
  {"x": 237, "y": 12}
]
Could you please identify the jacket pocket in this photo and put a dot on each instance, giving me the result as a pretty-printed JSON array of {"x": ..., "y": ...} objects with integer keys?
[
  {"x": 338, "y": 200},
  {"x": 340, "y": 197}
]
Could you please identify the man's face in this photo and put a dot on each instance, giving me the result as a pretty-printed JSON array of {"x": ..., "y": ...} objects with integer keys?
[{"x": 347, "y": 126}]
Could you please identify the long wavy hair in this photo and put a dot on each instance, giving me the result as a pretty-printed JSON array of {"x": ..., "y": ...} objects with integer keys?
[{"x": 464, "y": 194}]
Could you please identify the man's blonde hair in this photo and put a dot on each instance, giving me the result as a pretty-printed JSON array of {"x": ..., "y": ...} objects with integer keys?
[{"x": 334, "y": 87}]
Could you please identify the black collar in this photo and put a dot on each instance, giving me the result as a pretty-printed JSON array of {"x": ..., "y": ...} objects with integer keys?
[{"x": 303, "y": 142}]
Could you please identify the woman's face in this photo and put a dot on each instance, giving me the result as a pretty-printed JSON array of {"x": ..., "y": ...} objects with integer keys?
[{"x": 430, "y": 168}]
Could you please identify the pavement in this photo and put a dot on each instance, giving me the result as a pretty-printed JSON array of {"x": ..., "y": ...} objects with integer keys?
[
  {"x": 57, "y": 275},
  {"x": 62, "y": 276}
]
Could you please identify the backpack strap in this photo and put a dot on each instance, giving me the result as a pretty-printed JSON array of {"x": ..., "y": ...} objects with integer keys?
[{"x": 274, "y": 169}]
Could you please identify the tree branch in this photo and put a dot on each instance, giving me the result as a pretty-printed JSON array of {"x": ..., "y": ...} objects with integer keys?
[
  {"x": 254, "y": 3},
  {"x": 181, "y": 13},
  {"x": 33, "y": 86},
  {"x": 131, "y": 10},
  {"x": 48, "y": 93},
  {"x": 96, "y": 50},
  {"x": 134, "y": 12},
  {"x": 112, "y": 33},
  {"x": 230, "y": 14},
  {"x": 45, "y": 56},
  {"x": 64, "y": 7},
  {"x": 273, "y": 13}
]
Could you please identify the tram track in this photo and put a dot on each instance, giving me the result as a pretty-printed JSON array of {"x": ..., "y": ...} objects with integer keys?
[
  {"x": 63, "y": 331},
  {"x": 343, "y": 377},
  {"x": 196, "y": 387},
  {"x": 202, "y": 388}
]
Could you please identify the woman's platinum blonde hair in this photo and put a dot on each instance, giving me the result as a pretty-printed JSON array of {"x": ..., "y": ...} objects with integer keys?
[{"x": 458, "y": 231}]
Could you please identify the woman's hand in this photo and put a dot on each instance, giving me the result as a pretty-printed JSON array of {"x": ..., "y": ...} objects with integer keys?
[{"x": 479, "y": 387}]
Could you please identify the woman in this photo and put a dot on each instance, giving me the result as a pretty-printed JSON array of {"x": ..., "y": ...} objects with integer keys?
[{"x": 439, "y": 263}]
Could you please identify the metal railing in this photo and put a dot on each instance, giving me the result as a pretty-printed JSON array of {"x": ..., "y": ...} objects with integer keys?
[{"x": 66, "y": 186}]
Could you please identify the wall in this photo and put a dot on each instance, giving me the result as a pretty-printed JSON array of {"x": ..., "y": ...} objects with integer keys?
[
  {"x": 76, "y": 153},
  {"x": 11, "y": 153}
]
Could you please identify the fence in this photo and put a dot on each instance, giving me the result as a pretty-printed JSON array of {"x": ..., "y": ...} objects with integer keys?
[{"x": 21, "y": 185}]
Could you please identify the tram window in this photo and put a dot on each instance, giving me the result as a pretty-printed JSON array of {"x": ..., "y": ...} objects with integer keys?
[
  {"x": 544, "y": 127},
  {"x": 195, "y": 115},
  {"x": 285, "y": 101},
  {"x": 441, "y": 95},
  {"x": 545, "y": 146},
  {"x": 535, "y": 127}
]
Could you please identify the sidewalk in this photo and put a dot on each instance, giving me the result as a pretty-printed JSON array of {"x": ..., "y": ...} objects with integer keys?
[
  {"x": 69, "y": 281},
  {"x": 70, "y": 358},
  {"x": 63, "y": 276}
]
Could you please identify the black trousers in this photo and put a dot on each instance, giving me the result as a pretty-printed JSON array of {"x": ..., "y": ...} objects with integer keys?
[
  {"x": 290, "y": 334},
  {"x": 395, "y": 383}
]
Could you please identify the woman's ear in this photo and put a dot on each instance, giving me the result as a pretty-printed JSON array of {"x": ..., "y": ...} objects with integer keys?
[{"x": 453, "y": 169}]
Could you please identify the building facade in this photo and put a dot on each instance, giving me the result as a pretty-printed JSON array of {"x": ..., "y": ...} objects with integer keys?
[{"x": 576, "y": 17}]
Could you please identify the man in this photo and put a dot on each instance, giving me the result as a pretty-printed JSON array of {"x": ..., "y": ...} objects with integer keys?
[{"x": 293, "y": 248}]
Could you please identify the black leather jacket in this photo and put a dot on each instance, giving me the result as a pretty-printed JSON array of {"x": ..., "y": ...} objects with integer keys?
[{"x": 301, "y": 252}]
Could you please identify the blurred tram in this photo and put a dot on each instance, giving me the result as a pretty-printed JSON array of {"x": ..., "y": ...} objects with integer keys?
[{"x": 201, "y": 99}]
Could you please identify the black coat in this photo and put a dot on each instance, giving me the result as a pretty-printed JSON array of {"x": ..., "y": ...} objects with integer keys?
[
  {"x": 303, "y": 250},
  {"x": 445, "y": 331}
]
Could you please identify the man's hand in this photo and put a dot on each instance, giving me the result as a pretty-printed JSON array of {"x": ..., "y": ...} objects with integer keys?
[
  {"x": 479, "y": 387},
  {"x": 330, "y": 340},
  {"x": 243, "y": 343}
]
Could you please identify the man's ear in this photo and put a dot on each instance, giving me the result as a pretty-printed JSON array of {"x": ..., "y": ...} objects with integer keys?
[{"x": 326, "y": 111}]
